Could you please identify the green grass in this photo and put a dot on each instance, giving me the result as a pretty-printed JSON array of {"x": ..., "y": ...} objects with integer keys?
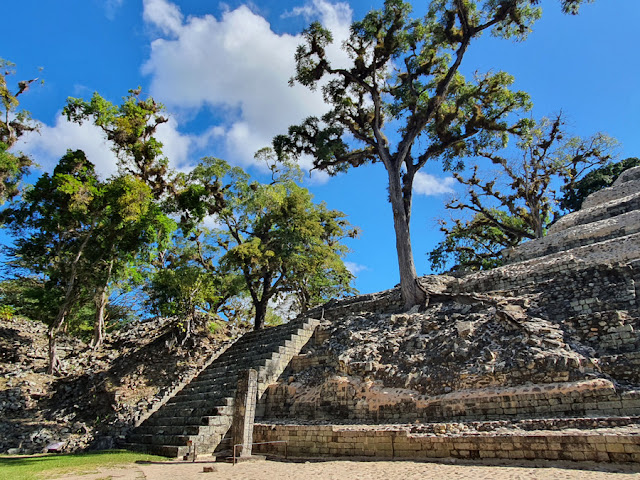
[{"x": 47, "y": 466}]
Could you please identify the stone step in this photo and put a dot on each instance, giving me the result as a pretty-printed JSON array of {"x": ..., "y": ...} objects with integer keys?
[
  {"x": 177, "y": 416},
  {"x": 536, "y": 270},
  {"x": 161, "y": 439},
  {"x": 612, "y": 193},
  {"x": 576, "y": 236},
  {"x": 205, "y": 420},
  {"x": 598, "y": 212},
  {"x": 185, "y": 429},
  {"x": 171, "y": 451},
  {"x": 221, "y": 385},
  {"x": 204, "y": 444},
  {"x": 206, "y": 378},
  {"x": 201, "y": 401},
  {"x": 204, "y": 392},
  {"x": 202, "y": 411},
  {"x": 187, "y": 412}
]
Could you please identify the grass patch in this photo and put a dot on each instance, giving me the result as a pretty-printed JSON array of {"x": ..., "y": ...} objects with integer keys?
[{"x": 47, "y": 466}]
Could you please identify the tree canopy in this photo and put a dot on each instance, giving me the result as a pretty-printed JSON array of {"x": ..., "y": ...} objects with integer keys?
[
  {"x": 518, "y": 200},
  {"x": 403, "y": 101},
  {"x": 276, "y": 239}
]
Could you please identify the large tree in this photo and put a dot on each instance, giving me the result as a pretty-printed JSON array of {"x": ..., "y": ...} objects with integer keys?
[
  {"x": 275, "y": 238},
  {"x": 403, "y": 101},
  {"x": 131, "y": 129},
  {"x": 73, "y": 229},
  {"x": 54, "y": 223}
]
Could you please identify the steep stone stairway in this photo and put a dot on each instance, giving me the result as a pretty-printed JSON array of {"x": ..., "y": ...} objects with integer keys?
[{"x": 202, "y": 411}]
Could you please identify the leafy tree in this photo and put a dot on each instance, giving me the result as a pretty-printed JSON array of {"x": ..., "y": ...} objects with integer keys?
[
  {"x": 274, "y": 238},
  {"x": 405, "y": 76},
  {"x": 545, "y": 156},
  {"x": 130, "y": 127},
  {"x": 72, "y": 228},
  {"x": 132, "y": 225},
  {"x": 188, "y": 281},
  {"x": 576, "y": 192},
  {"x": 13, "y": 124},
  {"x": 476, "y": 244},
  {"x": 518, "y": 203},
  {"x": 55, "y": 222}
]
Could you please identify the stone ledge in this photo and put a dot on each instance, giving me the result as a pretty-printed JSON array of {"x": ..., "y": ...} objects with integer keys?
[{"x": 603, "y": 445}]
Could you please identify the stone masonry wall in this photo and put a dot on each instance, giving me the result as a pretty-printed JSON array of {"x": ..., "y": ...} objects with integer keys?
[
  {"x": 398, "y": 442},
  {"x": 349, "y": 401}
]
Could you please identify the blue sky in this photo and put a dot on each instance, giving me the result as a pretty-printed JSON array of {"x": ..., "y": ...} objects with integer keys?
[{"x": 221, "y": 69}]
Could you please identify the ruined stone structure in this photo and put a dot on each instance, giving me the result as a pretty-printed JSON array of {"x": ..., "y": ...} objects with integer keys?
[
  {"x": 552, "y": 335},
  {"x": 536, "y": 359}
]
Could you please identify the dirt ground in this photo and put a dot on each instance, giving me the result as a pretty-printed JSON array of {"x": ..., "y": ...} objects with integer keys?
[{"x": 355, "y": 470}]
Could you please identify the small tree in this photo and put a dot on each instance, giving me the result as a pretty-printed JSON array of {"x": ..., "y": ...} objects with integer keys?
[
  {"x": 405, "y": 76},
  {"x": 188, "y": 281},
  {"x": 13, "y": 124},
  {"x": 518, "y": 203},
  {"x": 275, "y": 238},
  {"x": 476, "y": 244}
]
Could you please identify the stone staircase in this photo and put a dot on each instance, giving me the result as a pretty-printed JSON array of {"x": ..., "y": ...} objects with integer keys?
[{"x": 202, "y": 411}]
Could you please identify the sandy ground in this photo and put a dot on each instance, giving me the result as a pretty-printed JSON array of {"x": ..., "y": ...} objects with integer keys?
[{"x": 354, "y": 470}]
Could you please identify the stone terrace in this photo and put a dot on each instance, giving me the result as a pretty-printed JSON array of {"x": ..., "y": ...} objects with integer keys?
[{"x": 551, "y": 337}]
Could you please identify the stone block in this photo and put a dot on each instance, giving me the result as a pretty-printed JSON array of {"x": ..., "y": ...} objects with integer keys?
[{"x": 615, "y": 448}]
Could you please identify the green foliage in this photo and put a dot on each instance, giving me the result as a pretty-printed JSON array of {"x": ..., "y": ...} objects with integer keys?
[
  {"x": 13, "y": 124},
  {"x": 214, "y": 326},
  {"x": 75, "y": 232},
  {"x": 404, "y": 75},
  {"x": 271, "y": 239},
  {"x": 545, "y": 156},
  {"x": 518, "y": 203},
  {"x": 576, "y": 192},
  {"x": 476, "y": 244},
  {"x": 7, "y": 312},
  {"x": 130, "y": 127}
]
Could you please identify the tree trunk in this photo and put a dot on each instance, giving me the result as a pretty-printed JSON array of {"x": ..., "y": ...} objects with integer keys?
[
  {"x": 101, "y": 299},
  {"x": 55, "y": 365},
  {"x": 412, "y": 294},
  {"x": 54, "y": 362},
  {"x": 261, "y": 314}
]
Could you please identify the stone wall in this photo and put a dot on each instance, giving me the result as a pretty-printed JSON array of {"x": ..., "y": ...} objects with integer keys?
[
  {"x": 348, "y": 400},
  {"x": 385, "y": 301},
  {"x": 550, "y": 339},
  {"x": 578, "y": 236},
  {"x": 398, "y": 442}
]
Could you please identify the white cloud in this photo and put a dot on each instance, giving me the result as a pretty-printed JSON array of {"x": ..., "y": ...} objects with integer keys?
[
  {"x": 175, "y": 146},
  {"x": 236, "y": 65},
  {"x": 52, "y": 142},
  {"x": 426, "y": 184},
  {"x": 355, "y": 268},
  {"x": 164, "y": 15},
  {"x": 111, "y": 7}
]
